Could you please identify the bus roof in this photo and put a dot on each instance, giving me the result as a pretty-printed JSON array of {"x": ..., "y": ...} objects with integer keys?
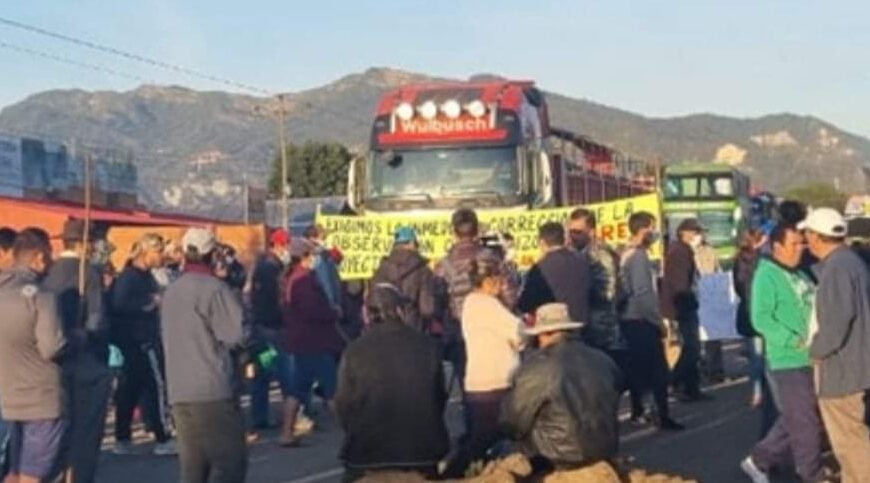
[{"x": 699, "y": 168}]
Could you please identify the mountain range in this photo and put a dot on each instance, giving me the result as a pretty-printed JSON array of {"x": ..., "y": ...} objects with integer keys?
[{"x": 194, "y": 149}]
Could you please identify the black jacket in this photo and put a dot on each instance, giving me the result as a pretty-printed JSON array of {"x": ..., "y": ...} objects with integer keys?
[
  {"x": 266, "y": 292},
  {"x": 84, "y": 320},
  {"x": 678, "y": 299},
  {"x": 391, "y": 400},
  {"x": 562, "y": 276},
  {"x": 409, "y": 272},
  {"x": 744, "y": 269},
  {"x": 563, "y": 405},
  {"x": 134, "y": 318}
]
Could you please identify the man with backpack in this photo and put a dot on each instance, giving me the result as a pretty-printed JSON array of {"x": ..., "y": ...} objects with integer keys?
[
  {"x": 409, "y": 273},
  {"x": 453, "y": 278}
]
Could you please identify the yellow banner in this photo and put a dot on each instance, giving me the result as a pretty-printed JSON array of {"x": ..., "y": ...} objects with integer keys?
[{"x": 365, "y": 240}]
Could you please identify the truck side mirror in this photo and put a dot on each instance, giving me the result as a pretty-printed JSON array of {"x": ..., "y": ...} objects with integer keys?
[
  {"x": 356, "y": 182},
  {"x": 545, "y": 180}
]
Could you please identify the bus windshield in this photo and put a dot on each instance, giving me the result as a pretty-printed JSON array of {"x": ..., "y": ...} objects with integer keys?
[
  {"x": 437, "y": 174},
  {"x": 711, "y": 186}
]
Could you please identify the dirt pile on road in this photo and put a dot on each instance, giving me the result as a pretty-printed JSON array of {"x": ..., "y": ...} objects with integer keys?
[{"x": 516, "y": 469}]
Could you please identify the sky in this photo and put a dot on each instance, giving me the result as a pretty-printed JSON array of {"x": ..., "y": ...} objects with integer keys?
[{"x": 742, "y": 58}]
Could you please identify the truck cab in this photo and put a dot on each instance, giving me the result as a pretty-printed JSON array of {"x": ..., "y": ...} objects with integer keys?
[{"x": 440, "y": 147}]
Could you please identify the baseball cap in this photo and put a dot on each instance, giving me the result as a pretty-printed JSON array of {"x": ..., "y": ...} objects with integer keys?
[
  {"x": 405, "y": 234},
  {"x": 825, "y": 221},
  {"x": 690, "y": 224},
  {"x": 280, "y": 238},
  {"x": 203, "y": 240}
]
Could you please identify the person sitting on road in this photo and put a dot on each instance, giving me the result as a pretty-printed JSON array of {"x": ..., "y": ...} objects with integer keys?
[
  {"x": 563, "y": 404},
  {"x": 391, "y": 396}
]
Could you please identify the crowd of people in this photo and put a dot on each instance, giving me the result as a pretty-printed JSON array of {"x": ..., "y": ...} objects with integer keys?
[{"x": 540, "y": 360}]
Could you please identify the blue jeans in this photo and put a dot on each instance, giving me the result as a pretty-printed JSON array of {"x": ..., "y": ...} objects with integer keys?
[
  {"x": 755, "y": 353},
  {"x": 320, "y": 367},
  {"x": 281, "y": 372}
]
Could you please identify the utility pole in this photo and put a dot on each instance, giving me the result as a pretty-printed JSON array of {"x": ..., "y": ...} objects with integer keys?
[{"x": 285, "y": 208}]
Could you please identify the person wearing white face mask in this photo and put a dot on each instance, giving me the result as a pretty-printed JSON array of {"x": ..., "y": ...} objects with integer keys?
[{"x": 680, "y": 305}]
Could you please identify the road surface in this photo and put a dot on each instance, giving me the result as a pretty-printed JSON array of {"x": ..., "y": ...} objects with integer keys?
[{"x": 719, "y": 434}]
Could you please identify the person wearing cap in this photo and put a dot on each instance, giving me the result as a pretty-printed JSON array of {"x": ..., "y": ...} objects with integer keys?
[
  {"x": 563, "y": 403},
  {"x": 86, "y": 375},
  {"x": 32, "y": 343},
  {"x": 391, "y": 397},
  {"x": 680, "y": 305},
  {"x": 408, "y": 271},
  {"x": 201, "y": 327},
  {"x": 313, "y": 340},
  {"x": 268, "y": 325},
  {"x": 782, "y": 298},
  {"x": 841, "y": 341},
  {"x": 642, "y": 325},
  {"x": 135, "y": 330},
  {"x": 325, "y": 266}
]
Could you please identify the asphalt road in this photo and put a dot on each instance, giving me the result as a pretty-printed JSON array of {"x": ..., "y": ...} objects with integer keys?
[{"x": 719, "y": 434}]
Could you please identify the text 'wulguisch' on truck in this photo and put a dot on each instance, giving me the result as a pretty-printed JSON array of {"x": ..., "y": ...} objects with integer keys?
[{"x": 489, "y": 146}]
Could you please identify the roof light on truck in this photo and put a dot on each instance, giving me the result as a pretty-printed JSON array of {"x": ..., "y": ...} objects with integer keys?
[
  {"x": 405, "y": 111},
  {"x": 451, "y": 109},
  {"x": 428, "y": 110},
  {"x": 476, "y": 108}
]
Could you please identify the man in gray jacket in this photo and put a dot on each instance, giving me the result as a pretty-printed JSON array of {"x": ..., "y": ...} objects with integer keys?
[
  {"x": 202, "y": 324},
  {"x": 31, "y": 340},
  {"x": 642, "y": 325},
  {"x": 841, "y": 343}
]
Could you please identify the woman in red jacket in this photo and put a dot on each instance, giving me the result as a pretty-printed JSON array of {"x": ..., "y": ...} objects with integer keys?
[{"x": 312, "y": 338}]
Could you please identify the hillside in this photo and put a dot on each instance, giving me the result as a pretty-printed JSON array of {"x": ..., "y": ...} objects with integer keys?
[{"x": 192, "y": 146}]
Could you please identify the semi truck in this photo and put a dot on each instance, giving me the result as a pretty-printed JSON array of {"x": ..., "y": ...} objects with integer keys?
[{"x": 485, "y": 145}]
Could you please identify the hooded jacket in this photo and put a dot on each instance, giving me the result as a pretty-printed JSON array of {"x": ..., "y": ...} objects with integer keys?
[
  {"x": 409, "y": 272},
  {"x": 563, "y": 405},
  {"x": 391, "y": 400},
  {"x": 31, "y": 341}
]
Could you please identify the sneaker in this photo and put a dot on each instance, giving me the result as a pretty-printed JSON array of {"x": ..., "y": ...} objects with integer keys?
[
  {"x": 167, "y": 448},
  {"x": 668, "y": 424},
  {"x": 123, "y": 448},
  {"x": 303, "y": 426},
  {"x": 640, "y": 420},
  {"x": 752, "y": 471}
]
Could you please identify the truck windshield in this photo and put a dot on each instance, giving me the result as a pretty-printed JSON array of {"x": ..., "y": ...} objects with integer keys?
[
  {"x": 435, "y": 175},
  {"x": 712, "y": 186}
]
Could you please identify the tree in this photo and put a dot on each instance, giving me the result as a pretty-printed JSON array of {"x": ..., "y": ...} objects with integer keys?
[
  {"x": 315, "y": 169},
  {"x": 818, "y": 195}
]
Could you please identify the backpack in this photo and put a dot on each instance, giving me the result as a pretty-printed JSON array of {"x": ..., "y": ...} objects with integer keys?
[
  {"x": 396, "y": 282},
  {"x": 456, "y": 271}
]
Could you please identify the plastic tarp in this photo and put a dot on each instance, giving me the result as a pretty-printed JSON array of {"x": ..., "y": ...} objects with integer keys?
[{"x": 717, "y": 310}]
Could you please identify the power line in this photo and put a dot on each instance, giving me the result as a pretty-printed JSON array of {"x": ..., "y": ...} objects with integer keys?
[
  {"x": 135, "y": 57},
  {"x": 68, "y": 61}
]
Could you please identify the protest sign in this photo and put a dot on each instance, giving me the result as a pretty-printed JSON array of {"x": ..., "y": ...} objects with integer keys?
[{"x": 365, "y": 240}]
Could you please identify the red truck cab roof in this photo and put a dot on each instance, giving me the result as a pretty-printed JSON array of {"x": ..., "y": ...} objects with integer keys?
[{"x": 467, "y": 113}]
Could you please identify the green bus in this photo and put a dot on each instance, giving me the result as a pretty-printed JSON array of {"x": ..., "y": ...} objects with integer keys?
[{"x": 717, "y": 195}]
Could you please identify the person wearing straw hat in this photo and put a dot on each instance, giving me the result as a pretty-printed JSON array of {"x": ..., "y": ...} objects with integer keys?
[
  {"x": 86, "y": 375},
  {"x": 563, "y": 403}
]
